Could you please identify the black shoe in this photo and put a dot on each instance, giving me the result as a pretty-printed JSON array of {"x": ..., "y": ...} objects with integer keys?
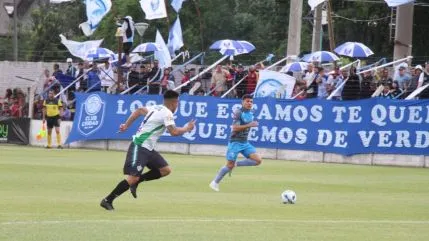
[
  {"x": 60, "y": 147},
  {"x": 133, "y": 190},
  {"x": 48, "y": 147},
  {"x": 106, "y": 205}
]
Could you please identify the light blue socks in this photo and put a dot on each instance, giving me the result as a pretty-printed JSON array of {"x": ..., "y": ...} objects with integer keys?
[
  {"x": 222, "y": 172},
  {"x": 246, "y": 162}
]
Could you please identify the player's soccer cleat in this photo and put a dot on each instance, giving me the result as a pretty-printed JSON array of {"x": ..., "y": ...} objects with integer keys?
[
  {"x": 48, "y": 147},
  {"x": 60, "y": 147},
  {"x": 133, "y": 190},
  {"x": 215, "y": 186},
  {"x": 106, "y": 205}
]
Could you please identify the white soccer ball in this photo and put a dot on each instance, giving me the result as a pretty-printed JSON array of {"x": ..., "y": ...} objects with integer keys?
[{"x": 288, "y": 197}]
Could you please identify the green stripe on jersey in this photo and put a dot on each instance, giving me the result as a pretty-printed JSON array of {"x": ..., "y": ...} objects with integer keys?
[{"x": 143, "y": 137}]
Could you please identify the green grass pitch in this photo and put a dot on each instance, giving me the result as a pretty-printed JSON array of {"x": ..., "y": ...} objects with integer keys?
[{"x": 55, "y": 195}]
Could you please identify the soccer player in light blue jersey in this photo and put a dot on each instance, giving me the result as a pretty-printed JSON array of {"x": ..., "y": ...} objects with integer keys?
[{"x": 238, "y": 143}]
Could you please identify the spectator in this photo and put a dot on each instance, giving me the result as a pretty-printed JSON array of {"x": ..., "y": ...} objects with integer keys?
[
  {"x": 8, "y": 95},
  {"x": 15, "y": 109},
  {"x": 49, "y": 80},
  {"x": 395, "y": 91},
  {"x": 239, "y": 75},
  {"x": 6, "y": 112},
  {"x": 299, "y": 92},
  {"x": 154, "y": 79},
  {"x": 322, "y": 83},
  {"x": 365, "y": 86},
  {"x": 166, "y": 79},
  {"x": 424, "y": 80},
  {"x": 186, "y": 77},
  {"x": 93, "y": 79},
  {"x": 384, "y": 78},
  {"x": 219, "y": 78},
  {"x": 71, "y": 70},
  {"x": 128, "y": 30},
  {"x": 412, "y": 85},
  {"x": 251, "y": 80},
  {"x": 335, "y": 81},
  {"x": 82, "y": 83},
  {"x": 403, "y": 78},
  {"x": 205, "y": 79},
  {"x": 387, "y": 91},
  {"x": 310, "y": 76},
  {"x": 38, "y": 107},
  {"x": 351, "y": 89},
  {"x": 106, "y": 77},
  {"x": 57, "y": 70},
  {"x": 137, "y": 77},
  {"x": 259, "y": 66}
]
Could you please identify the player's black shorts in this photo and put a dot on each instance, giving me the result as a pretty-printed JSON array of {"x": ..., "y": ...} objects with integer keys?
[
  {"x": 139, "y": 157},
  {"x": 126, "y": 47},
  {"x": 53, "y": 121}
]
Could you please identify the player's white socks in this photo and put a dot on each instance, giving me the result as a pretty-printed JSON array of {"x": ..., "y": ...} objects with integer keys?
[
  {"x": 246, "y": 162},
  {"x": 222, "y": 172}
]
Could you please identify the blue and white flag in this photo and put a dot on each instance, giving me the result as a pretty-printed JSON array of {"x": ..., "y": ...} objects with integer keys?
[
  {"x": 163, "y": 55},
  {"x": 80, "y": 49},
  {"x": 95, "y": 11},
  {"x": 274, "y": 84},
  {"x": 175, "y": 37},
  {"x": 395, "y": 3},
  {"x": 177, "y": 5},
  {"x": 154, "y": 9}
]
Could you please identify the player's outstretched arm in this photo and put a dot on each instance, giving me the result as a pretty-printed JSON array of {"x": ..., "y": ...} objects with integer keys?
[
  {"x": 136, "y": 114},
  {"x": 177, "y": 131},
  {"x": 237, "y": 128}
]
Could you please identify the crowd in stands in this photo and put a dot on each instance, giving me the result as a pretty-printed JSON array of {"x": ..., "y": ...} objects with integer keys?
[
  {"x": 149, "y": 78},
  {"x": 13, "y": 104},
  {"x": 316, "y": 82}
]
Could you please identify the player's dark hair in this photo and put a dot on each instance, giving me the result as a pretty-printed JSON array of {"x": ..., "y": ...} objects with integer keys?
[
  {"x": 170, "y": 94},
  {"x": 246, "y": 96}
]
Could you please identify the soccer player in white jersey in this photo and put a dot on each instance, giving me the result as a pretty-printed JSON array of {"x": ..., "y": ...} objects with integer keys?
[{"x": 141, "y": 152}]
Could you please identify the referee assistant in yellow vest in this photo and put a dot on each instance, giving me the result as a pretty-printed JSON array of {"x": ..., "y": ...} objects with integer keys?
[{"x": 52, "y": 112}]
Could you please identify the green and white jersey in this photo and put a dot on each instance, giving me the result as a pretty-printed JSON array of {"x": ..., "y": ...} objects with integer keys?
[{"x": 153, "y": 126}]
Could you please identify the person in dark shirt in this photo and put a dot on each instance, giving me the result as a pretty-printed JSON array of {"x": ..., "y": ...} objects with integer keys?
[
  {"x": 154, "y": 78},
  {"x": 351, "y": 89}
]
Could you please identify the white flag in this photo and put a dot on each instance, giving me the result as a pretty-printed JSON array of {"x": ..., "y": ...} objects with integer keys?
[
  {"x": 154, "y": 9},
  {"x": 163, "y": 56},
  {"x": 175, "y": 37},
  {"x": 177, "y": 5},
  {"x": 95, "y": 11},
  {"x": 274, "y": 84},
  {"x": 80, "y": 49},
  {"x": 395, "y": 3},
  {"x": 314, "y": 3}
]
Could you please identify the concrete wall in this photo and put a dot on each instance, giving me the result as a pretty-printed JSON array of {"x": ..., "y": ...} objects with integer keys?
[{"x": 217, "y": 150}]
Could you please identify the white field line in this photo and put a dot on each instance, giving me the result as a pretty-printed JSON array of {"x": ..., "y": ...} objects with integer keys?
[{"x": 177, "y": 220}]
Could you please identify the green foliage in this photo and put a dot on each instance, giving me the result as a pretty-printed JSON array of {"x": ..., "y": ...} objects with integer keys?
[{"x": 262, "y": 22}]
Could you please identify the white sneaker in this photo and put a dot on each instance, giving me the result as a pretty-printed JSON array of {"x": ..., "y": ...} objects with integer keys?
[{"x": 215, "y": 186}]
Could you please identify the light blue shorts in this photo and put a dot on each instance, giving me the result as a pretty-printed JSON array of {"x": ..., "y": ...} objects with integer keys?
[{"x": 245, "y": 148}]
